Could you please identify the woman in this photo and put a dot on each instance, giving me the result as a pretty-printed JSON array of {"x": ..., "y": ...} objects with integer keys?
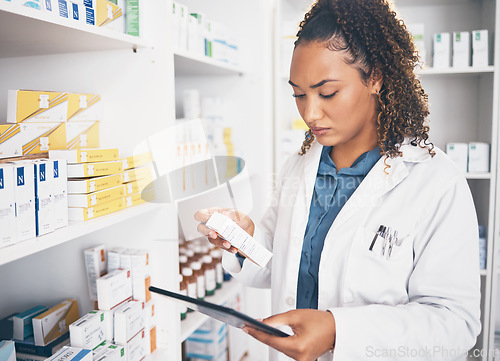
[{"x": 373, "y": 230}]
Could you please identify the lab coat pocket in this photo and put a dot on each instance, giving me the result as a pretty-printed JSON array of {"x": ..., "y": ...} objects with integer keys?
[{"x": 371, "y": 277}]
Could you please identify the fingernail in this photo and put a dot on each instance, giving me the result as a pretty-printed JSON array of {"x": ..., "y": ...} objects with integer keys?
[
  {"x": 245, "y": 329},
  {"x": 226, "y": 245},
  {"x": 234, "y": 251}
]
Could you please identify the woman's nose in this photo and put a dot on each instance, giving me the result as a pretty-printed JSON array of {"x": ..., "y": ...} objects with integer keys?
[{"x": 312, "y": 110}]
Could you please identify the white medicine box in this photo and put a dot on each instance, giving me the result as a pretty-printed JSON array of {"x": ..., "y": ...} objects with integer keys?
[
  {"x": 480, "y": 51},
  {"x": 7, "y": 206},
  {"x": 461, "y": 49},
  {"x": 479, "y": 158},
  {"x": 441, "y": 50},
  {"x": 458, "y": 152}
]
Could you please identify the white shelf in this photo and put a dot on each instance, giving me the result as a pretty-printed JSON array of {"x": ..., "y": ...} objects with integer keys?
[
  {"x": 402, "y": 3},
  {"x": 190, "y": 65},
  {"x": 478, "y": 175},
  {"x": 451, "y": 70},
  {"x": 195, "y": 319},
  {"x": 26, "y": 32},
  {"x": 73, "y": 230}
]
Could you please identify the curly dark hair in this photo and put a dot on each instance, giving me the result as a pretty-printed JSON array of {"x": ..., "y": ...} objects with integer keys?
[{"x": 375, "y": 41}]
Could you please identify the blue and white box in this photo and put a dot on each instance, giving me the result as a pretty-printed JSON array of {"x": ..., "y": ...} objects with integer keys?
[
  {"x": 72, "y": 354},
  {"x": 7, "y": 351},
  {"x": 24, "y": 194},
  {"x": 7, "y": 206},
  {"x": 23, "y": 322},
  {"x": 44, "y": 197}
]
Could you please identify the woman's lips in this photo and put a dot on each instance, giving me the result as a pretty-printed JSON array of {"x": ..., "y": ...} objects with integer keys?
[{"x": 319, "y": 131}]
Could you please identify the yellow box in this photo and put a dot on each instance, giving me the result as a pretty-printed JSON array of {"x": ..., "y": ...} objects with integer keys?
[
  {"x": 106, "y": 12},
  {"x": 10, "y": 141},
  {"x": 137, "y": 160},
  {"x": 131, "y": 175},
  {"x": 78, "y": 186},
  {"x": 95, "y": 198},
  {"x": 96, "y": 169},
  {"x": 82, "y": 135},
  {"x": 42, "y": 137},
  {"x": 138, "y": 186},
  {"x": 53, "y": 323},
  {"x": 138, "y": 198},
  {"x": 82, "y": 107},
  {"x": 36, "y": 106},
  {"x": 85, "y": 155},
  {"x": 84, "y": 214}
]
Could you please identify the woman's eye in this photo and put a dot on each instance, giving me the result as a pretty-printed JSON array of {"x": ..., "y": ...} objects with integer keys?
[
  {"x": 298, "y": 95},
  {"x": 328, "y": 95}
]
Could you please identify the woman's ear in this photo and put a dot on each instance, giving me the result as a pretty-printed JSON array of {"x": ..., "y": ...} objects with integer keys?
[{"x": 376, "y": 80}]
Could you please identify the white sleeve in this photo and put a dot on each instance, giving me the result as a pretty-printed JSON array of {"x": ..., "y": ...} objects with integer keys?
[{"x": 442, "y": 319}]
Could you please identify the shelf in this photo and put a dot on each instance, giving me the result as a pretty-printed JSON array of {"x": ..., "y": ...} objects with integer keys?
[
  {"x": 195, "y": 319},
  {"x": 189, "y": 65},
  {"x": 74, "y": 230},
  {"x": 451, "y": 70},
  {"x": 27, "y": 32},
  {"x": 478, "y": 175},
  {"x": 403, "y": 3}
]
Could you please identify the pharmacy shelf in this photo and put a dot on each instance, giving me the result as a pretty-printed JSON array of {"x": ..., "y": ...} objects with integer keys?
[
  {"x": 73, "y": 230},
  {"x": 190, "y": 65},
  {"x": 26, "y": 32},
  {"x": 451, "y": 70},
  {"x": 404, "y": 3},
  {"x": 478, "y": 175},
  {"x": 195, "y": 319}
]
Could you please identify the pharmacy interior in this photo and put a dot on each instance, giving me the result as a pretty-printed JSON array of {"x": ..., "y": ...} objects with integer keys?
[{"x": 121, "y": 118}]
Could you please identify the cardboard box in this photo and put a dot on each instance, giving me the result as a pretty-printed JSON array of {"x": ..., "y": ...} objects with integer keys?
[
  {"x": 458, "y": 152},
  {"x": 114, "y": 258},
  {"x": 139, "y": 198},
  {"x": 84, "y": 107},
  {"x": 73, "y": 156},
  {"x": 41, "y": 137},
  {"x": 132, "y": 18},
  {"x": 461, "y": 49},
  {"x": 107, "y": 12},
  {"x": 479, "y": 157},
  {"x": 7, "y": 206},
  {"x": 60, "y": 193},
  {"x": 150, "y": 325},
  {"x": 53, "y": 323},
  {"x": 136, "y": 347},
  {"x": 96, "y": 198},
  {"x": 72, "y": 354},
  {"x": 50, "y": 6},
  {"x": 82, "y": 134},
  {"x": 145, "y": 172},
  {"x": 129, "y": 320},
  {"x": 23, "y": 322},
  {"x": 28, "y": 346},
  {"x": 136, "y": 260},
  {"x": 138, "y": 160},
  {"x": 7, "y": 351},
  {"x": 95, "y": 169},
  {"x": 96, "y": 266},
  {"x": 11, "y": 144},
  {"x": 480, "y": 48},
  {"x": 111, "y": 352},
  {"x": 208, "y": 341},
  {"x": 88, "y": 331},
  {"x": 24, "y": 195},
  {"x": 114, "y": 289},
  {"x": 79, "y": 186},
  {"x": 84, "y": 214},
  {"x": 442, "y": 50},
  {"x": 34, "y": 4},
  {"x": 138, "y": 186},
  {"x": 44, "y": 197},
  {"x": 36, "y": 106}
]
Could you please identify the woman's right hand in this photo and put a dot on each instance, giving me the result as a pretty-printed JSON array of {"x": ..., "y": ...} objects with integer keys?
[{"x": 240, "y": 218}]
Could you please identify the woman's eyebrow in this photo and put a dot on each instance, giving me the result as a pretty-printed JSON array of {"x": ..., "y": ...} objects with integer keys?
[{"x": 323, "y": 82}]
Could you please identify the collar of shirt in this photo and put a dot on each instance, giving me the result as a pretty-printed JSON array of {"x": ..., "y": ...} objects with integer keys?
[{"x": 360, "y": 167}]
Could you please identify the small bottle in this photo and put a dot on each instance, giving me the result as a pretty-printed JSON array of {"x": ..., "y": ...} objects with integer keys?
[
  {"x": 183, "y": 291},
  {"x": 191, "y": 284},
  {"x": 199, "y": 273},
  {"x": 190, "y": 255},
  {"x": 219, "y": 272},
  {"x": 210, "y": 281},
  {"x": 183, "y": 262}
]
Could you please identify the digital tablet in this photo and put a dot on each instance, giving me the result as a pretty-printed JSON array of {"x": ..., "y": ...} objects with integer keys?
[{"x": 221, "y": 313}]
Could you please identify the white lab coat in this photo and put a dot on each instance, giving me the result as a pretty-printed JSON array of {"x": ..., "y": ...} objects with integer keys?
[{"x": 421, "y": 304}]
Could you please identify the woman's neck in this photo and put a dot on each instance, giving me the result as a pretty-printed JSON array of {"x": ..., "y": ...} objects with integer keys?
[{"x": 345, "y": 155}]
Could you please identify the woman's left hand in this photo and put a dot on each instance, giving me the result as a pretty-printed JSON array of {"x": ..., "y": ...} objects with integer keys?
[{"x": 314, "y": 333}]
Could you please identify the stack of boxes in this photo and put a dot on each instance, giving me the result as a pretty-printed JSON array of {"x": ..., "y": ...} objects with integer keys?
[
  {"x": 117, "y": 15},
  {"x": 461, "y": 49},
  {"x": 208, "y": 342},
  {"x": 470, "y": 157},
  {"x": 138, "y": 178}
]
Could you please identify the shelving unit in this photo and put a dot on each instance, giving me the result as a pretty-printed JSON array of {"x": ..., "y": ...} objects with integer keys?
[{"x": 189, "y": 65}]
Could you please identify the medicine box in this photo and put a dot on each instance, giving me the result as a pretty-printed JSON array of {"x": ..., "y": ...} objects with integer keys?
[
  {"x": 138, "y": 186},
  {"x": 136, "y": 347},
  {"x": 96, "y": 198},
  {"x": 136, "y": 260},
  {"x": 114, "y": 258},
  {"x": 114, "y": 288},
  {"x": 94, "y": 169},
  {"x": 28, "y": 346},
  {"x": 24, "y": 195},
  {"x": 50, "y": 6},
  {"x": 96, "y": 184},
  {"x": 107, "y": 12},
  {"x": 7, "y": 351},
  {"x": 150, "y": 325},
  {"x": 461, "y": 49},
  {"x": 209, "y": 341},
  {"x": 44, "y": 197},
  {"x": 54, "y": 322},
  {"x": 10, "y": 141},
  {"x": 137, "y": 160},
  {"x": 84, "y": 214},
  {"x": 479, "y": 158},
  {"x": 140, "y": 287},
  {"x": 36, "y": 106},
  {"x": 132, "y": 18},
  {"x": 34, "y": 4},
  {"x": 145, "y": 172},
  {"x": 23, "y": 322},
  {"x": 82, "y": 134},
  {"x": 139, "y": 198},
  {"x": 480, "y": 48},
  {"x": 41, "y": 137},
  {"x": 111, "y": 353},
  {"x": 442, "y": 50},
  {"x": 72, "y": 354},
  {"x": 60, "y": 182},
  {"x": 88, "y": 331},
  {"x": 84, "y": 107},
  {"x": 458, "y": 152},
  {"x": 129, "y": 320},
  {"x": 7, "y": 206},
  {"x": 96, "y": 266},
  {"x": 85, "y": 155}
]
